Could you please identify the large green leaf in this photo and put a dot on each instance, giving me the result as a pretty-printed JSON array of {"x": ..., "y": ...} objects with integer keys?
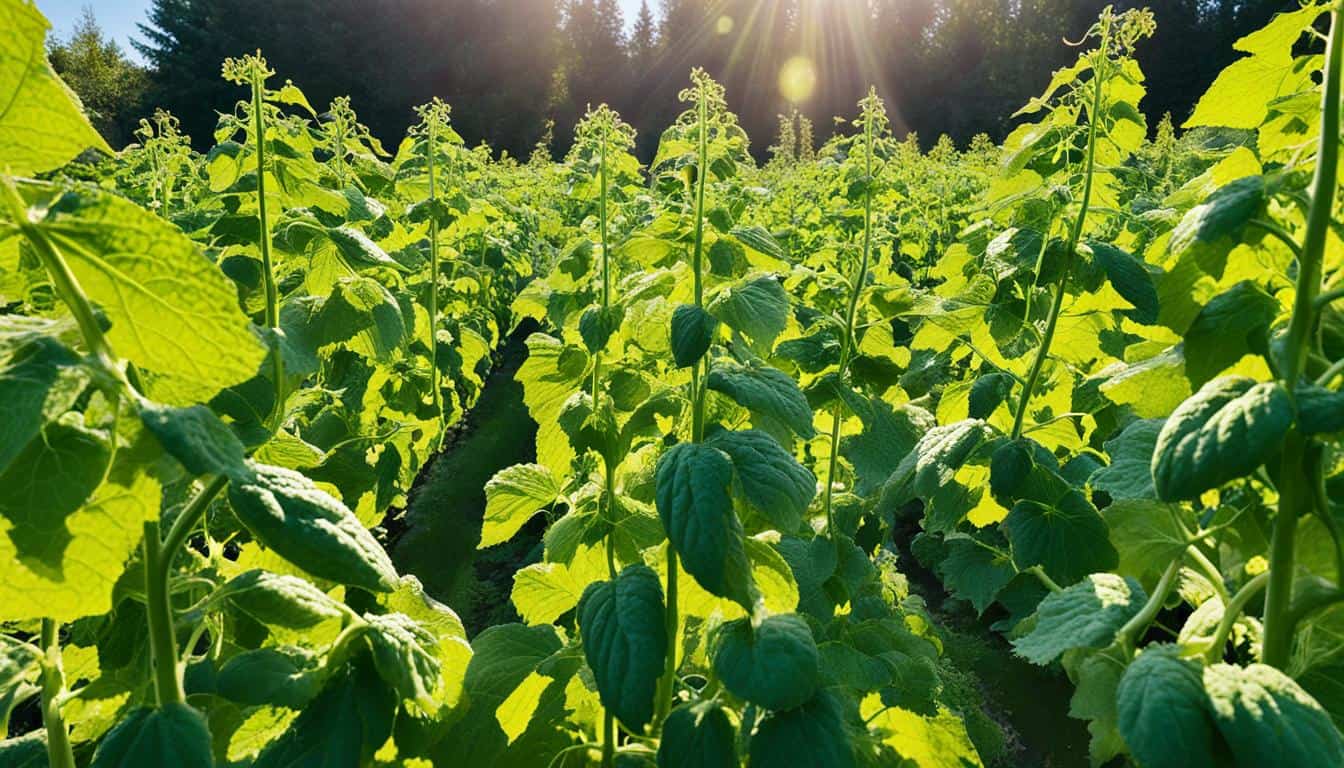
[
  {"x": 1234, "y": 323},
  {"x": 44, "y": 488},
  {"x": 764, "y": 390},
  {"x": 512, "y": 497},
  {"x": 974, "y": 571},
  {"x": 39, "y": 380},
  {"x": 774, "y": 664},
  {"x": 1164, "y": 713},
  {"x": 692, "y": 488},
  {"x": 1268, "y": 719},
  {"x": 772, "y": 480},
  {"x": 172, "y": 312},
  {"x": 288, "y": 513},
  {"x": 815, "y": 735},
  {"x": 1085, "y": 615},
  {"x": 1147, "y": 535},
  {"x": 404, "y": 655},
  {"x": 341, "y": 728},
  {"x": 625, "y": 642},
  {"x": 698, "y": 735},
  {"x": 197, "y": 438},
  {"x": 1130, "y": 474},
  {"x": 757, "y": 308},
  {"x": 1224, "y": 431},
  {"x": 1067, "y": 539},
  {"x": 42, "y": 125},
  {"x": 269, "y": 676},
  {"x": 174, "y": 734},
  {"x": 693, "y": 330},
  {"x": 279, "y": 599}
]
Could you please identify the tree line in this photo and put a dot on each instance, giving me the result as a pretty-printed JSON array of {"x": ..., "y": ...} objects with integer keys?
[{"x": 511, "y": 68}]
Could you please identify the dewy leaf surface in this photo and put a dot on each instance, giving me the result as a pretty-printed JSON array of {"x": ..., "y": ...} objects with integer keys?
[{"x": 42, "y": 124}]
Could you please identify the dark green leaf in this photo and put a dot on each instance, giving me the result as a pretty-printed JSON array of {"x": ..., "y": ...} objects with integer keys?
[
  {"x": 1085, "y": 615},
  {"x": 174, "y": 734},
  {"x": 772, "y": 480},
  {"x": 773, "y": 665},
  {"x": 625, "y": 642},
  {"x": 698, "y": 735},
  {"x": 693, "y": 330}
]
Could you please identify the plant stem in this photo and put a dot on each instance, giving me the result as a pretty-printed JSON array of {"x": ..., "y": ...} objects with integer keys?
[
  {"x": 1075, "y": 235},
  {"x": 264, "y": 242},
  {"x": 667, "y": 685},
  {"x": 59, "y": 752},
  {"x": 1231, "y": 610},
  {"x": 162, "y": 637},
  {"x": 186, "y": 521},
  {"x": 436, "y": 389},
  {"x": 1295, "y": 497},
  {"x": 608, "y": 739},
  {"x": 847, "y": 342},
  {"x": 1133, "y": 628}
]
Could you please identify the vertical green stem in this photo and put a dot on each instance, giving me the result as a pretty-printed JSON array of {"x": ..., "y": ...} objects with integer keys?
[
  {"x": 59, "y": 752},
  {"x": 668, "y": 683},
  {"x": 434, "y": 380},
  {"x": 1295, "y": 497},
  {"x": 264, "y": 242},
  {"x": 847, "y": 342},
  {"x": 1099, "y": 75},
  {"x": 608, "y": 739},
  {"x": 162, "y": 638}
]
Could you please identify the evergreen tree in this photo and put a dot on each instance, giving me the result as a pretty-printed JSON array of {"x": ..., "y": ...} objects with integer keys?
[{"x": 111, "y": 86}]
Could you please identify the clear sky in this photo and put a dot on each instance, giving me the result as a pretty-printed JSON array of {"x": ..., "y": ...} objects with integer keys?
[{"x": 119, "y": 17}]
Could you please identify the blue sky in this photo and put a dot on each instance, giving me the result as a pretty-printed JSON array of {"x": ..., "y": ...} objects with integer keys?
[{"x": 119, "y": 17}]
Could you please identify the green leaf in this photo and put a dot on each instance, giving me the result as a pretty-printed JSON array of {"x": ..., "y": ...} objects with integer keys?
[
  {"x": 172, "y": 312},
  {"x": 774, "y": 665},
  {"x": 1268, "y": 719},
  {"x": 309, "y": 528},
  {"x": 758, "y": 309},
  {"x": 693, "y": 330},
  {"x": 44, "y": 488},
  {"x": 268, "y": 676},
  {"x": 764, "y": 390},
  {"x": 975, "y": 572},
  {"x": 1319, "y": 410},
  {"x": 1224, "y": 431},
  {"x": 817, "y": 730},
  {"x": 692, "y": 495},
  {"x": 27, "y": 751},
  {"x": 772, "y": 480},
  {"x": 1130, "y": 278},
  {"x": 42, "y": 126},
  {"x": 1164, "y": 713},
  {"x": 597, "y": 324},
  {"x": 758, "y": 239},
  {"x": 341, "y": 728},
  {"x": 1211, "y": 229},
  {"x": 40, "y": 379},
  {"x": 174, "y": 734},
  {"x": 197, "y": 438},
  {"x": 1068, "y": 538},
  {"x": 512, "y": 497},
  {"x": 698, "y": 735},
  {"x": 279, "y": 600},
  {"x": 888, "y": 436},
  {"x": 1130, "y": 473},
  {"x": 1234, "y": 323},
  {"x": 625, "y": 642},
  {"x": 104, "y": 531},
  {"x": 1241, "y": 94},
  {"x": 1085, "y": 615},
  {"x": 1147, "y": 534},
  {"x": 404, "y": 655}
]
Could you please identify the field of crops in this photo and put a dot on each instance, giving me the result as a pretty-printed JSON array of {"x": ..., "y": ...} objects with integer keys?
[{"x": 1085, "y": 382}]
